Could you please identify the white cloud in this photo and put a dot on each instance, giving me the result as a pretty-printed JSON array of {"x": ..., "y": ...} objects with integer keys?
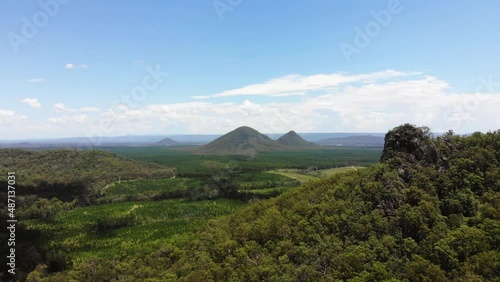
[
  {"x": 61, "y": 107},
  {"x": 200, "y": 117},
  {"x": 68, "y": 119},
  {"x": 297, "y": 85},
  {"x": 32, "y": 102},
  {"x": 10, "y": 117},
  {"x": 35, "y": 80},
  {"x": 81, "y": 118},
  {"x": 73, "y": 66}
]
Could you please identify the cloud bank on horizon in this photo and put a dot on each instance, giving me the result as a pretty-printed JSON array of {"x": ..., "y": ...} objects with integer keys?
[{"x": 338, "y": 102}]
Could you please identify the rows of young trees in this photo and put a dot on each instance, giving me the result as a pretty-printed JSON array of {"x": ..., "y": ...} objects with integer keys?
[
  {"x": 429, "y": 211},
  {"x": 53, "y": 181}
]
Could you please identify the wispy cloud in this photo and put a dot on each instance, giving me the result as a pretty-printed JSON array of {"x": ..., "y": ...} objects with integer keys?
[
  {"x": 35, "y": 80},
  {"x": 32, "y": 102},
  {"x": 298, "y": 85},
  {"x": 61, "y": 107},
  {"x": 73, "y": 66}
]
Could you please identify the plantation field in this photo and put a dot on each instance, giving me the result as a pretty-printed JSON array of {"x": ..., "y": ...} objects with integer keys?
[
  {"x": 74, "y": 231},
  {"x": 333, "y": 171},
  {"x": 306, "y": 176},
  {"x": 253, "y": 180},
  {"x": 189, "y": 164},
  {"x": 267, "y": 192},
  {"x": 149, "y": 187},
  {"x": 294, "y": 174}
]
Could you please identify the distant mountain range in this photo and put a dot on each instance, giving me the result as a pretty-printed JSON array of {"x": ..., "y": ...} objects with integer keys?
[
  {"x": 336, "y": 139},
  {"x": 361, "y": 140}
]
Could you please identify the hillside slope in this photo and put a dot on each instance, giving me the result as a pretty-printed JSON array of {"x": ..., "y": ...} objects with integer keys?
[
  {"x": 241, "y": 141},
  {"x": 69, "y": 166}
]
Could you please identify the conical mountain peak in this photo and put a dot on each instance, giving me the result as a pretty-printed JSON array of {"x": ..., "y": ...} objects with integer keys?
[
  {"x": 243, "y": 140},
  {"x": 292, "y": 139}
]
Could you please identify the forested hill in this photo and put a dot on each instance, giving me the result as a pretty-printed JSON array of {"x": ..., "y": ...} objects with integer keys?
[
  {"x": 429, "y": 211},
  {"x": 91, "y": 167}
]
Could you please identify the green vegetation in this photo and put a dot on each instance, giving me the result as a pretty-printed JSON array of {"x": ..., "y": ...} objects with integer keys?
[
  {"x": 312, "y": 173},
  {"x": 295, "y": 174},
  {"x": 133, "y": 190},
  {"x": 268, "y": 192},
  {"x": 52, "y": 183},
  {"x": 120, "y": 229},
  {"x": 257, "y": 180},
  {"x": 89, "y": 168},
  {"x": 333, "y": 171},
  {"x": 264, "y": 184},
  {"x": 429, "y": 211},
  {"x": 189, "y": 165}
]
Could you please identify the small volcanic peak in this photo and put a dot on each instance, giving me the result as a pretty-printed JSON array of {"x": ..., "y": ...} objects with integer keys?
[
  {"x": 241, "y": 141},
  {"x": 292, "y": 139}
]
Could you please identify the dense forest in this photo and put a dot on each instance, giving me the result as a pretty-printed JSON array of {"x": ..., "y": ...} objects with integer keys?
[{"x": 428, "y": 211}]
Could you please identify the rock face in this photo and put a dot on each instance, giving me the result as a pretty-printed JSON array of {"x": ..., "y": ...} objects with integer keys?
[
  {"x": 292, "y": 139},
  {"x": 241, "y": 141}
]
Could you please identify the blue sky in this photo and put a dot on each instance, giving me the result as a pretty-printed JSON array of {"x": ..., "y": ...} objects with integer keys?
[{"x": 273, "y": 65}]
